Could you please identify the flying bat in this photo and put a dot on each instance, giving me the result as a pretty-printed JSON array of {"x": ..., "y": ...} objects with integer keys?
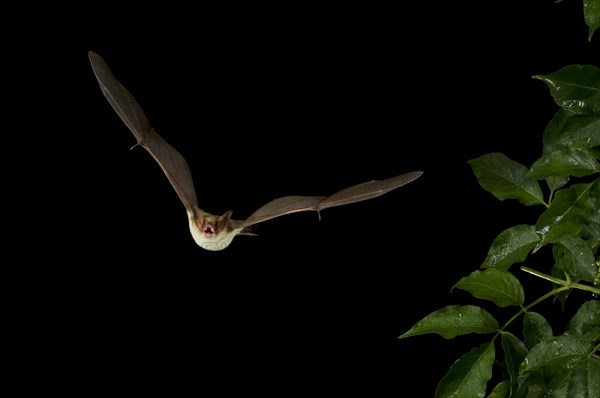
[{"x": 213, "y": 232}]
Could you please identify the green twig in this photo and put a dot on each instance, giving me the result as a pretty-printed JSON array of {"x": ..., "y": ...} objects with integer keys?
[
  {"x": 594, "y": 350},
  {"x": 528, "y": 306},
  {"x": 566, "y": 283}
]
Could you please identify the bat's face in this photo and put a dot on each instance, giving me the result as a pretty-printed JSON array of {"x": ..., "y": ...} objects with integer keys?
[{"x": 211, "y": 232}]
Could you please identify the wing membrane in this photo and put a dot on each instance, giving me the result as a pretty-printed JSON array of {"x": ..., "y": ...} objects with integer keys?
[
  {"x": 357, "y": 193},
  {"x": 168, "y": 158}
]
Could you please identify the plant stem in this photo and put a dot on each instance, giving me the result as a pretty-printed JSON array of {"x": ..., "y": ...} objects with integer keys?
[
  {"x": 564, "y": 283},
  {"x": 528, "y": 306},
  {"x": 595, "y": 349}
]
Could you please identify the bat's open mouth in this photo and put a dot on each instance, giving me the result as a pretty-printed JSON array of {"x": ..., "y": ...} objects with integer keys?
[{"x": 208, "y": 232}]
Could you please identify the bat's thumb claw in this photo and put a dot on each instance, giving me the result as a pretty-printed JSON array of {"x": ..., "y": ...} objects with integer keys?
[
  {"x": 139, "y": 143},
  {"x": 248, "y": 231}
]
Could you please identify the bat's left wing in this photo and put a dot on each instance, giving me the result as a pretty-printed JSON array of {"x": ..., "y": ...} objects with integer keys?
[
  {"x": 357, "y": 193},
  {"x": 170, "y": 161}
]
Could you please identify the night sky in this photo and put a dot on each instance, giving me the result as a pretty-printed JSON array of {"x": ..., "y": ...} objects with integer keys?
[{"x": 275, "y": 101}]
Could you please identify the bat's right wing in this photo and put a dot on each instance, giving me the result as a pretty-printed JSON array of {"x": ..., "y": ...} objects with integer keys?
[
  {"x": 170, "y": 161},
  {"x": 357, "y": 193}
]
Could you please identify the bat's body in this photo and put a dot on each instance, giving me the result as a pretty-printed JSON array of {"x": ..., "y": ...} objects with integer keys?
[{"x": 213, "y": 232}]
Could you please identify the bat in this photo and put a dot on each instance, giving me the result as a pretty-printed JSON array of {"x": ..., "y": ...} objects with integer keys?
[{"x": 214, "y": 232}]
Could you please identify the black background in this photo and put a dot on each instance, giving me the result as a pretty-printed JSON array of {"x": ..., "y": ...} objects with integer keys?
[{"x": 268, "y": 101}]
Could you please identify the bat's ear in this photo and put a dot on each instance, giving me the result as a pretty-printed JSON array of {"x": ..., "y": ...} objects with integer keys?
[{"x": 224, "y": 220}]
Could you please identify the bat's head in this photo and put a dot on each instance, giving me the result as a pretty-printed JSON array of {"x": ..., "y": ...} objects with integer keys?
[{"x": 211, "y": 232}]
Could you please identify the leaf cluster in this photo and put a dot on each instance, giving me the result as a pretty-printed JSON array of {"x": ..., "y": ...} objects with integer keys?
[{"x": 564, "y": 184}]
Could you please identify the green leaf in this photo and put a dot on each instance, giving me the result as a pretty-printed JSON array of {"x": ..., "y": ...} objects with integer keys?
[
  {"x": 552, "y": 356},
  {"x": 557, "y": 384},
  {"x": 586, "y": 318},
  {"x": 468, "y": 376},
  {"x": 560, "y": 296},
  {"x": 564, "y": 162},
  {"x": 593, "y": 244},
  {"x": 554, "y": 128},
  {"x": 501, "y": 287},
  {"x": 585, "y": 324},
  {"x": 595, "y": 151},
  {"x": 592, "y": 230},
  {"x": 501, "y": 390},
  {"x": 554, "y": 183},
  {"x": 535, "y": 329},
  {"x": 455, "y": 320},
  {"x": 576, "y": 131},
  {"x": 511, "y": 246},
  {"x": 514, "y": 353},
  {"x": 585, "y": 379},
  {"x": 569, "y": 212},
  {"x": 574, "y": 257},
  {"x": 506, "y": 179},
  {"x": 579, "y": 379},
  {"x": 575, "y": 87},
  {"x": 534, "y": 387},
  {"x": 591, "y": 15},
  {"x": 591, "y": 233}
]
